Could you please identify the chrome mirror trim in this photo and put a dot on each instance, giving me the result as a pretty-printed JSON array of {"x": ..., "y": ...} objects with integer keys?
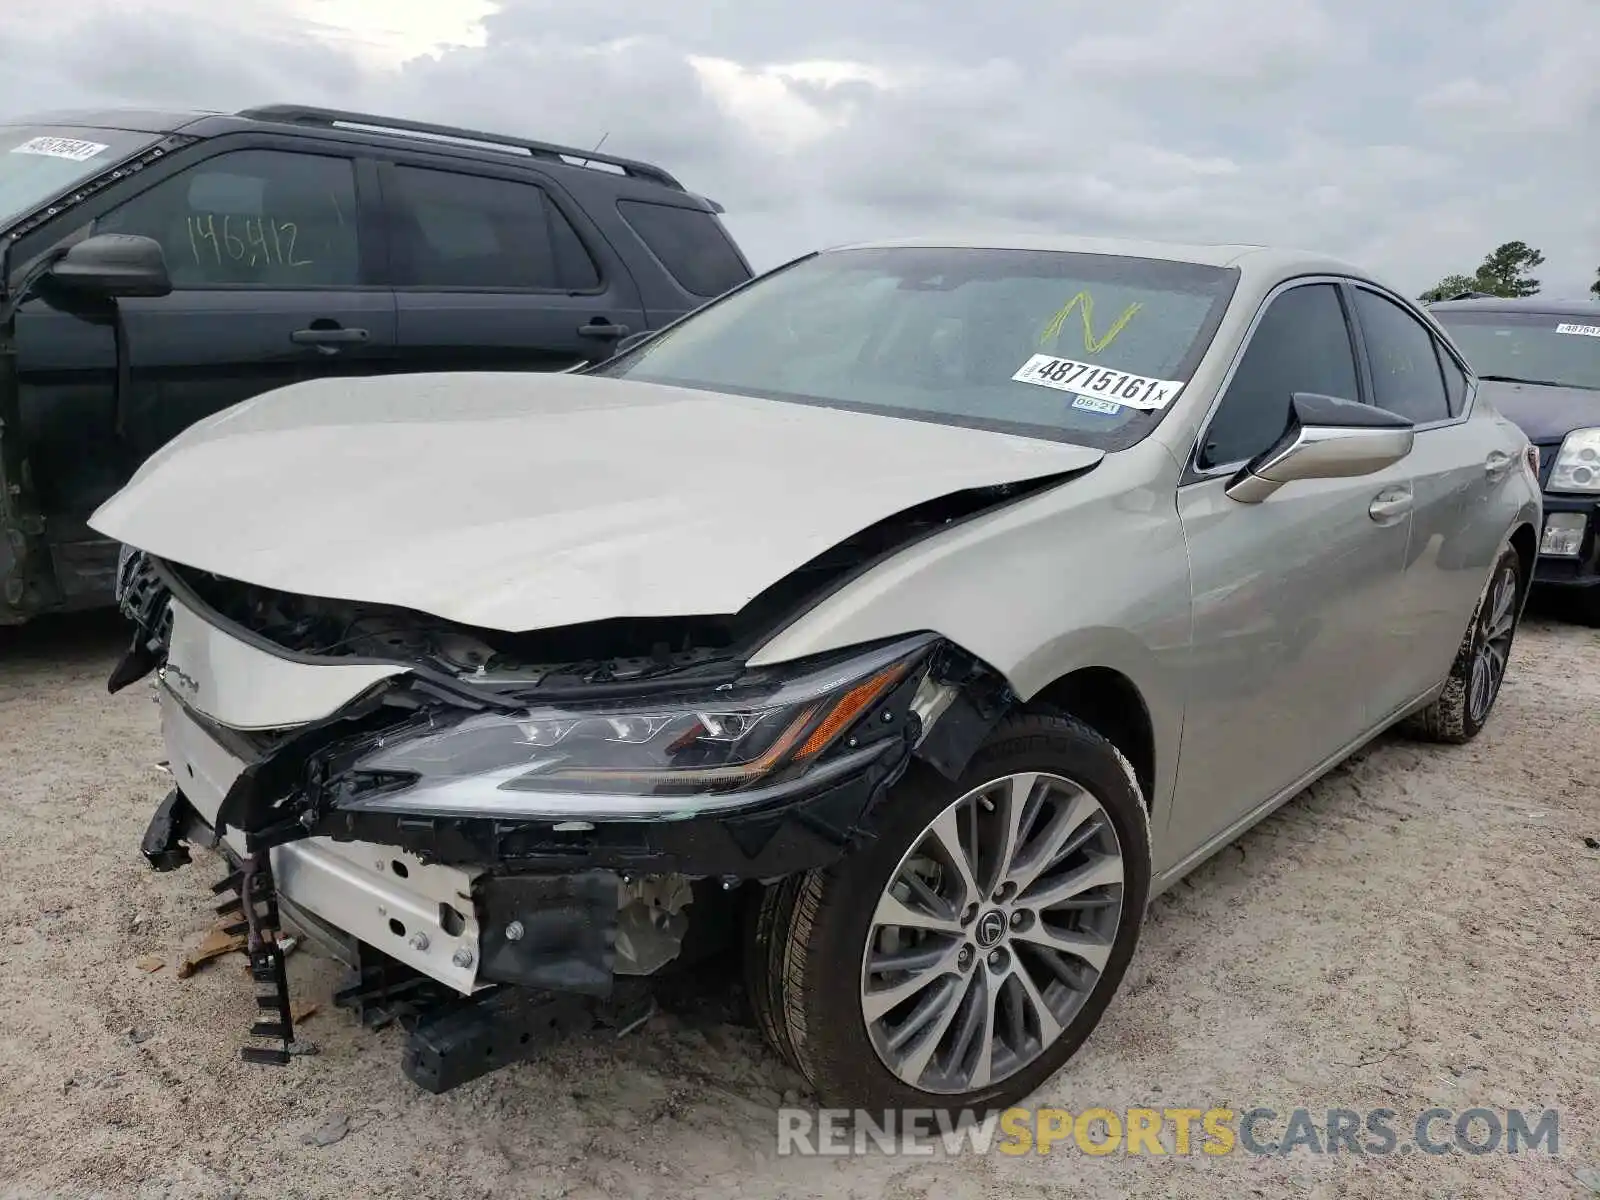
[{"x": 1321, "y": 452}]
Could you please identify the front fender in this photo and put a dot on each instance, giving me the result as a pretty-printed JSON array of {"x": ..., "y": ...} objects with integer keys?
[{"x": 1094, "y": 573}]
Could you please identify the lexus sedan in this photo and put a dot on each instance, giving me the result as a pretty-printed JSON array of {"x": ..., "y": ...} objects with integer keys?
[
  {"x": 905, "y": 619},
  {"x": 1540, "y": 362}
]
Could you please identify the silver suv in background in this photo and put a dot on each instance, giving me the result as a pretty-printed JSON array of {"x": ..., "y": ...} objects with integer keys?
[{"x": 865, "y": 606}]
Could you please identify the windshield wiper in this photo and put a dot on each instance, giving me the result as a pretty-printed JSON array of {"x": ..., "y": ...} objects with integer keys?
[{"x": 1535, "y": 382}]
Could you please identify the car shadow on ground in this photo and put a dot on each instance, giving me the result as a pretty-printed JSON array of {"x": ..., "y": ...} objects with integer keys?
[{"x": 65, "y": 638}]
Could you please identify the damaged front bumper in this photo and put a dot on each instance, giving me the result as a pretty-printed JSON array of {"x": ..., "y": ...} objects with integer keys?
[{"x": 454, "y": 895}]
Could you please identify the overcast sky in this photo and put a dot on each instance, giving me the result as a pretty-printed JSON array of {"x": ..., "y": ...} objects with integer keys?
[{"x": 1409, "y": 135}]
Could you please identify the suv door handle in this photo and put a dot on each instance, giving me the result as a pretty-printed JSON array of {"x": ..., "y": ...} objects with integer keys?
[
  {"x": 1390, "y": 504},
  {"x": 328, "y": 339},
  {"x": 602, "y": 329},
  {"x": 1497, "y": 464}
]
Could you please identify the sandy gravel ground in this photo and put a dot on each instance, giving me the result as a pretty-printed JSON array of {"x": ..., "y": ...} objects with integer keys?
[{"x": 1421, "y": 928}]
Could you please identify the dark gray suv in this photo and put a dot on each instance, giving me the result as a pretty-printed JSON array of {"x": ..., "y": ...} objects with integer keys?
[
  {"x": 1539, "y": 362},
  {"x": 159, "y": 267}
]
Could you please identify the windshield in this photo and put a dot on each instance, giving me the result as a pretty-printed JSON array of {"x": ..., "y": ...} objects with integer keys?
[
  {"x": 1530, "y": 346},
  {"x": 38, "y": 162},
  {"x": 1083, "y": 348}
]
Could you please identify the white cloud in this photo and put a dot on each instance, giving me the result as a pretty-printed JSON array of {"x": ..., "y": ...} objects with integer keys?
[
  {"x": 768, "y": 102},
  {"x": 1409, "y": 137}
]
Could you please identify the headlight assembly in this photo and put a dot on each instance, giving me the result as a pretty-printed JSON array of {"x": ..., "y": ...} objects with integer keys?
[
  {"x": 1577, "y": 464},
  {"x": 681, "y": 752}
]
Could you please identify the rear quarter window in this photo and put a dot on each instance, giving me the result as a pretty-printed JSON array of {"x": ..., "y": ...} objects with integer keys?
[{"x": 690, "y": 243}]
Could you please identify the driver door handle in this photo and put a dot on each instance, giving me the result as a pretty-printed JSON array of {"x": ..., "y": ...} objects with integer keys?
[
  {"x": 602, "y": 329},
  {"x": 328, "y": 338},
  {"x": 1497, "y": 464},
  {"x": 1390, "y": 505}
]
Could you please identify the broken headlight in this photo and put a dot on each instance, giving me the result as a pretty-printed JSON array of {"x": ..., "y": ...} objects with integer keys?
[{"x": 681, "y": 750}]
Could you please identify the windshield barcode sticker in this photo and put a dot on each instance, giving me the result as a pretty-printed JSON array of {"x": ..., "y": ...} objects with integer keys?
[
  {"x": 1104, "y": 383},
  {"x": 59, "y": 147},
  {"x": 1581, "y": 330}
]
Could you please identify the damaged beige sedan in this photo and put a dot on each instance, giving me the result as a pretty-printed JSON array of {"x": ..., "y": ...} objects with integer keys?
[{"x": 903, "y": 620}]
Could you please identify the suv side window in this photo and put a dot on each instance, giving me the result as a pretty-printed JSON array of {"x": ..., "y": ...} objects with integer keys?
[
  {"x": 263, "y": 218},
  {"x": 449, "y": 230},
  {"x": 690, "y": 243},
  {"x": 1301, "y": 344},
  {"x": 1405, "y": 367},
  {"x": 1455, "y": 382}
]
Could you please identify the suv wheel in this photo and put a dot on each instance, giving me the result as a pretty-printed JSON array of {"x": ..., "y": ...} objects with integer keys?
[
  {"x": 962, "y": 957},
  {"x": 1480, "y": 666}
]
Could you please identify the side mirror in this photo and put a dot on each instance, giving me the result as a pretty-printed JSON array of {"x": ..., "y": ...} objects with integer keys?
[
  {"x": 1326, "y": 438},
  {"x": 113, "y": 265}
]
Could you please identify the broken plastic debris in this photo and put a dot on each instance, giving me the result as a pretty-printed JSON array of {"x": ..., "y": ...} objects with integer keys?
[{"x": 216, "y": 943}]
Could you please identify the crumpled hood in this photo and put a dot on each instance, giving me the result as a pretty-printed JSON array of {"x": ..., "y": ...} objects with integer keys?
[
  {"x": 524, "y": 501},
  {"x": 1544, "y": 413}
]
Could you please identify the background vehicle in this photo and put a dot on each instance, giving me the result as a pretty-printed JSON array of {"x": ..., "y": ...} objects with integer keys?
[
  {"x": 300, "y": 243},
  {"x": 1539, "y": 363},
  {"x": 875, "y": 597}
]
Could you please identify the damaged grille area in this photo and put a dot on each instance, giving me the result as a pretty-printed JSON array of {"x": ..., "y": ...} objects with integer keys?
[
  {"x": 144, "y": 598},
  {"x": 601, "y": 652}
]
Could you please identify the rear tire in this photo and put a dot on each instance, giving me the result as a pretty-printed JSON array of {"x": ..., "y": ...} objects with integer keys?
[
  {"x": 1475, "y": 678},
  {"x": 999, "y": 968}
]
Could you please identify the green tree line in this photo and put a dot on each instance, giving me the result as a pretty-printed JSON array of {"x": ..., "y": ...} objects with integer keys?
[{"x": 1505, "y": 271}]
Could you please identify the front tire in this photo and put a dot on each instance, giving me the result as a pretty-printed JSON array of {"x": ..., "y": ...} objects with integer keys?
[
  {"x": 961, "y": 958},
  {"x": 1473, "y": 686}
]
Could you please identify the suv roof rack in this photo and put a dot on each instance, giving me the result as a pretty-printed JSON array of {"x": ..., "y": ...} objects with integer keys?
[
  {"x": 300, "y": 114},
  {"x": 1475, "y": 296}
]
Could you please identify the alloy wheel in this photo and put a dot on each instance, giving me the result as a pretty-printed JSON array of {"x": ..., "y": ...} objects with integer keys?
[
  {"x": 991, "y": 933},
  {"x": 1494, "y": 645}
]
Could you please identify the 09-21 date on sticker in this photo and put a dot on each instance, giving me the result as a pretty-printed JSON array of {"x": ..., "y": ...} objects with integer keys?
[{"x": 1106, "y": 383}]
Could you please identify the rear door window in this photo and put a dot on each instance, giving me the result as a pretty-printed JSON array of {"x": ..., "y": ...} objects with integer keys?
[
  {"x": 1455, "y": 381},
  {"x": 1405, "y": 367},
  {"x": 449, "y": 230},
  {"x": 690, "y": 243}
]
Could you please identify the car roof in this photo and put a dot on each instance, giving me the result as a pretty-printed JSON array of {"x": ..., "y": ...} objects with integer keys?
[
  {"x": 1523, "y": 304},
  {"x": 1251, "y": 259},
  {"x": 365, "y": 128}
]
